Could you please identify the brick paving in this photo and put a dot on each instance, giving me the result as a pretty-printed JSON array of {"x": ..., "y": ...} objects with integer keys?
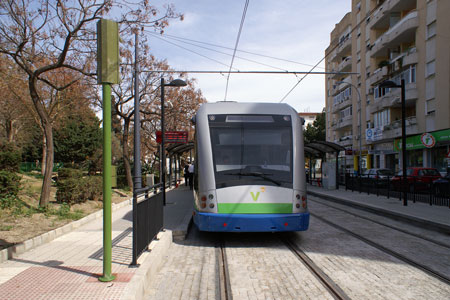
[{"x": 69, "y": 266}]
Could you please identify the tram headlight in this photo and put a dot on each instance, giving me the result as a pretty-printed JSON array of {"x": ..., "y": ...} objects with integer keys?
[
  {"x": 211, "y": 205},
  {"x": 203, "y": 205},
  {"x": 203, "y": 198},
  {"x": 297, "y": 205},
  {"x": 210, "y": 196},
  {"x": 297, "y": 196}
]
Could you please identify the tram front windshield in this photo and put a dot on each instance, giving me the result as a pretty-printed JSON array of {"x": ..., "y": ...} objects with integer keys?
[{"x": 252, "y": 150}]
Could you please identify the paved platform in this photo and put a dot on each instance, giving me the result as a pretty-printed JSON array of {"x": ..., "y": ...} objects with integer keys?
[
  {"x": 421, "y": 214},
  {"x": 68, "y": 266}
]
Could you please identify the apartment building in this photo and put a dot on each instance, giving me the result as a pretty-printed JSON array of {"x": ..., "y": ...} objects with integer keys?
[
  {"x": 309, "y": 117},
  {"x": 391, "y": 40}
]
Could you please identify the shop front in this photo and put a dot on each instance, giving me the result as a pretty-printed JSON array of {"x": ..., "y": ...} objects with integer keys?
[{"x": 429, "y": 149}]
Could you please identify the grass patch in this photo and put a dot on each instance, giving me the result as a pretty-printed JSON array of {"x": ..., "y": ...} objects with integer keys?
[
  {"x": 63, "y": 212},
  {"x": 6, "y": 227}
]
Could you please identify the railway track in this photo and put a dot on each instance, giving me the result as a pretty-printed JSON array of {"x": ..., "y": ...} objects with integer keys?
[
  {"x": 224, "y": 277},
  {"x": 383, "y": 224},
  {"x": 335, "y": 291},
  {"x": 393, "y": 253}
]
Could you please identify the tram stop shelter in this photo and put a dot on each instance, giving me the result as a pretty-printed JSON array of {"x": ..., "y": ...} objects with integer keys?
[
  {"x": 174, "y": 152},
  {"x": 329, "y": 170}
]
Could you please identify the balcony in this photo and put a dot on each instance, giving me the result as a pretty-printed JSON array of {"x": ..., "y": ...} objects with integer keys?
[
  {"x": 344, "y": 104},
  {"x": 411, "y": 58},
  {"x": 378, "y": 75},
  {"x": 392, "y": 99},
  {"x": 380, "y": 18},
  {"x": 393, "y": 130},
  {"x": 402, "y": 32},
  {"x": 344, "y": 47},
  {"x": 344, "y": 122},
  {"x": 345, "y": 65},
  {"x": 345, "y": 141}
]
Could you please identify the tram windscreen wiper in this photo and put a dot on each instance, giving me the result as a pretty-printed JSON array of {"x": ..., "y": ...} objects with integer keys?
[{"x": 256, "y": 174}]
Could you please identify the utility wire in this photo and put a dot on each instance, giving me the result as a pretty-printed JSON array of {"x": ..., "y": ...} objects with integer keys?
[
  {"x": 184, "y": 40},
  {"x": 335, "y": 46},
  {"x": 204, "y": 56},
  {"x": 236, "y": 45},
  {"x": 224, "y": 53}
]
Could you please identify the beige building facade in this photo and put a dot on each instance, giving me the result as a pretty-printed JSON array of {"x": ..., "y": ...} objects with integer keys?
[{"x": 393, "y": 40}]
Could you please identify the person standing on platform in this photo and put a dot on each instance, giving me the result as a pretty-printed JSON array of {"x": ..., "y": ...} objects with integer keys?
[
  {"x": 186, "y": 174},
  {"x": 191, "y": 176}
]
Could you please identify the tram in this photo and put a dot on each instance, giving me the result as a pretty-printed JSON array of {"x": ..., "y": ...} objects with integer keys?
[{"x": 249, "y": 168}]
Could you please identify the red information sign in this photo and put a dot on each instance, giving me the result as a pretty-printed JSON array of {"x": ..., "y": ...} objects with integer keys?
[{"x": 172, "y": 137}]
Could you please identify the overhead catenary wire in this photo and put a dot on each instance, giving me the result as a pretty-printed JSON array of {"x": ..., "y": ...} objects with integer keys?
[
  {"x": 244, "y": 13},
  {"x": 221, "y": 52},
  {"x": 334, "y": 47},
  {"x": 192, "y": 42}
]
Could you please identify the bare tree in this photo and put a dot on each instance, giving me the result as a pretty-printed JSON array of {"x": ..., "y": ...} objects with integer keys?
[{"x": 44, "y": 36}]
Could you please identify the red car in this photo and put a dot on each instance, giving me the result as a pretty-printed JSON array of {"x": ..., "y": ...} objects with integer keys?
[{"x": 419, "y": 179}]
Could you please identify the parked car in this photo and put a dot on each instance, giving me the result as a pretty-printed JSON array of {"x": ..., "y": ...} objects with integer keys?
[
  {"x": 418, "y": 178},
  {"x": 377, "y": 176},
  {"x": 442, "y": 185}
]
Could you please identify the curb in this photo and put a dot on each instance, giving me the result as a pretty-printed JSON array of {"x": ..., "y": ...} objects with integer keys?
[
  {"x": 152, "y": 262},
  {"x": 180, "y": 232},
  {"x": 15, "y": 250},
  {"x": 386, "y": 213}
]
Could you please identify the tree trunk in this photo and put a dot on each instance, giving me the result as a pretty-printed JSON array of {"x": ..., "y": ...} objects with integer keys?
[
  {"x": 44, "y": 155},
  {"x": 48, "y": 142},
  {"x": 126, "y": 157}
]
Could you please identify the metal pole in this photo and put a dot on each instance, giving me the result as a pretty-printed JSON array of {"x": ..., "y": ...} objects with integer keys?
[
  {"x": 137, "y": 151},
  {"x": 137, "y": 121},
  {"x": 163, "y": 151},
  {"x": 107, "y": 223},
  {"x": 405, "y": 201}
]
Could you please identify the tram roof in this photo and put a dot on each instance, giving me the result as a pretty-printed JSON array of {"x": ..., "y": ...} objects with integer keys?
[{"x": 245, "y": 108}]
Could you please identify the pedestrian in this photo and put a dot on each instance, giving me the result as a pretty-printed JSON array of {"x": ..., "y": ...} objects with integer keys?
[
  {"x": 186, "y": 174},
  {"x": 191, "y": 176}
]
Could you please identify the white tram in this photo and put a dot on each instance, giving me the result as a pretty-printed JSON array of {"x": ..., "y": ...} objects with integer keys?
[{"x": 249, "y": 168}]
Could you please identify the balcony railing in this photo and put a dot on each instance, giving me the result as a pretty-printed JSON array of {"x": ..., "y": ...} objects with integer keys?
[
  {"x": 344, "y": 122},
  {"x": 403, "y": 31}
]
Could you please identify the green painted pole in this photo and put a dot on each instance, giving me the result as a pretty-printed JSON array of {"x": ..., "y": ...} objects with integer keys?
[{"x": 107, "y": 223}]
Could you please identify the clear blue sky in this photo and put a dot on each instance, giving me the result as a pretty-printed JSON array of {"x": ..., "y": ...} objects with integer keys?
[{"x": 296, "y": 30}]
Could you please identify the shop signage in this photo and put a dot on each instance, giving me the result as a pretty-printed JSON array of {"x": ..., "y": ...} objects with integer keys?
[
  {"x": 374, "y": 134},
  {"x": 425, "y": 140}
]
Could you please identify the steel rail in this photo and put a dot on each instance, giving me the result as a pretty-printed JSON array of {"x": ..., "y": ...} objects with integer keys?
[
  {"x": 397, "y": 255},
  {"x": 224, "y": 276},
  {"x": 335, "y": 291},
  {"x": 383, "y": 224}
]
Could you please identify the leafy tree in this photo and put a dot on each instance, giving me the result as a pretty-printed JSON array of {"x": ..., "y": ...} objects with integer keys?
[
  {"x": 316, "y": 131},
  {"x": 78, "y": 139},
  {"x": 49, "y": 39}
]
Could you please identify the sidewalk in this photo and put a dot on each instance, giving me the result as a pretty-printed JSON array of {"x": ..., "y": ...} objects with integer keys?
[
  {"x": 422, "y": 214},
  {"x": 68, "y": 267}
]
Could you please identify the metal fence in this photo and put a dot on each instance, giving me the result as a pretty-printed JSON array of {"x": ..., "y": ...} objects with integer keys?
[
  {"x": 416, "y": 189},
  {"x": 148, "y": 217}
]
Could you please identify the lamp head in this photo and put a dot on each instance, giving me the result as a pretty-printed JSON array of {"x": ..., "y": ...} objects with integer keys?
[{"x": 177, "y": 83}]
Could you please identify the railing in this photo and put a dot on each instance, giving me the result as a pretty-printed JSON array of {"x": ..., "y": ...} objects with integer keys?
[
  {"x": 148, "y": 217},
  {"x": 417, "y": 190}
]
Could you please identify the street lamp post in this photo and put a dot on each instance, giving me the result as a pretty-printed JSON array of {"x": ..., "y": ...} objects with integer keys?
[
  {"x": 391, "y": 84},
  {"x": 173, "y": 83},
  {"x": 360, "y": 124}
]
